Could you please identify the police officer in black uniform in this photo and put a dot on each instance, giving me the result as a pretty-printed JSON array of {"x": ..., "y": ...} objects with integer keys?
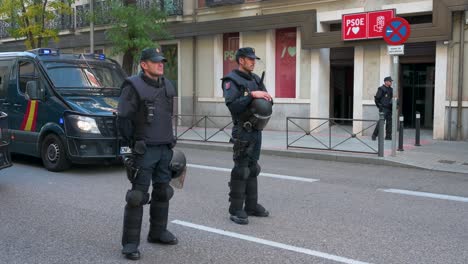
[
  {"x": 383, "y": 101},
  {"x": 250, "y": 107},
  {"x": 145, "y": 122}
]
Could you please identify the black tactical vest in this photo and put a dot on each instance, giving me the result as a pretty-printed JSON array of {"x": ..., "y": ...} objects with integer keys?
[
  {"x": 154, "y": 116},
  {"x": 246, "y": 84}
]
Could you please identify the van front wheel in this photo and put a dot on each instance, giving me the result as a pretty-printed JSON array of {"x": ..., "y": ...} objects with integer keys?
[{"x": 53, "y": 154}]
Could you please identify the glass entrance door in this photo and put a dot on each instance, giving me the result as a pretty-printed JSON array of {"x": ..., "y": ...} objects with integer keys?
[{"x": 417, "y": 93}]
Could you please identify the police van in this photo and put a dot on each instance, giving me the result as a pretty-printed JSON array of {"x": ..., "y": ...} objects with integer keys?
[
  {"x": 5, "y": 159},
  {"x": 61, "y": 107}
]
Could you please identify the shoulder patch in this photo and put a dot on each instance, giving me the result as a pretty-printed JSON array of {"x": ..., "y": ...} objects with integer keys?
[{"x": 227, "y": 85}]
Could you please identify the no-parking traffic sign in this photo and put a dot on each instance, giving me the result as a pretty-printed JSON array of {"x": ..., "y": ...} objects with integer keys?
[{"x": 397, "y": 31}]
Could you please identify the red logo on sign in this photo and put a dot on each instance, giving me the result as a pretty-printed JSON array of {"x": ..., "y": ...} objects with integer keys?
[
  {"x": 354, "y": 26},
  {"x": 377, "y": 21},
  {"x": 365, "y": 25}
]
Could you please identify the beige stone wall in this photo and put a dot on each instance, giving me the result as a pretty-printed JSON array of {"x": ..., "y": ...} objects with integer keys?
[
  {"x": 204, "y": 66},
  {"x": 186, "y": 67},
  {"x": 454, "y": 62},
  {"x": 304, "y": 82},
  {"x": 371, "y": 72}
]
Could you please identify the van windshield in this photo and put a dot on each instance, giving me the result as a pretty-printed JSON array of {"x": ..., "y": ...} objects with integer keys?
[{"x": 84, "y": 75}]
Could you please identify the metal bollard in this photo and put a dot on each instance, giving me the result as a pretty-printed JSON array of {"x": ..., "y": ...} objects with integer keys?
[
  {"x": 400, "y": 134},
  {"x": 418, "y": 129},
  {"x": 381, "y": 134}
]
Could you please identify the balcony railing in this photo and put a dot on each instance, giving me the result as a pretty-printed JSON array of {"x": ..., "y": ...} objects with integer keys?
[
  {"x": 101, "y": 14},
  {"x": 4, "y": 26},
  {"x": 102, "y": 10},
  {"x": 172, "y": 7},
  {"x": 81, "y": 15},
  {"x": 62, "y": 22}
]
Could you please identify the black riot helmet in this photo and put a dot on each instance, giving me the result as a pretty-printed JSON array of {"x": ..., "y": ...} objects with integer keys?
[
  {"x": 261, "y": 111},
  {"x": 178, "y": 163}
]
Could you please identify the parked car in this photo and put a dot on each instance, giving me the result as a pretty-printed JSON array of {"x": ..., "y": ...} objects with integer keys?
[{"x": 61, "y": 107}]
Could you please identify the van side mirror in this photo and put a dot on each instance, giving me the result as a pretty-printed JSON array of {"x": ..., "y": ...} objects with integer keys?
[{"x": 34, "y": 91}]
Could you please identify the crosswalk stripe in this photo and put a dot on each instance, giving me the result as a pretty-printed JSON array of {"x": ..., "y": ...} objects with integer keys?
[
  {"x": 428, "y": 195},
  {"x": 270, "y": 243},
  {"x": 270, "y": 175}
]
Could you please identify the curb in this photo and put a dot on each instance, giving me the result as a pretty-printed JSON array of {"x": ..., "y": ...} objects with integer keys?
[{"x": 292, "y": 153}]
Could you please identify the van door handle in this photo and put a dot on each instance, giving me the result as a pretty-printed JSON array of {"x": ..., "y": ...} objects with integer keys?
[{"x": 17, "y": 104}]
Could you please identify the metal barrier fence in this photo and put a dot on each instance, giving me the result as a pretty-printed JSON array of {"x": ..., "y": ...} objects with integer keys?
[
  {"x": 202, "y": 128},
  {"x": 336, "y": 137}
]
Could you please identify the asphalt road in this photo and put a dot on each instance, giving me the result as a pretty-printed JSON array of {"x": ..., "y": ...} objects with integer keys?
[{"x": 321, "y": 212}]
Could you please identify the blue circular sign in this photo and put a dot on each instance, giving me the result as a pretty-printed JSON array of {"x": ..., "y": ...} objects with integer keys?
[{"x": 397, "y": 31}]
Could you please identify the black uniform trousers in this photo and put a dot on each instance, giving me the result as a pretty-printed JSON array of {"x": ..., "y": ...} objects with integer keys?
[
  {"x": 243, "y": 184},
  {"x": 388, "y": 124},
  {"x": 153, "y": 166}
]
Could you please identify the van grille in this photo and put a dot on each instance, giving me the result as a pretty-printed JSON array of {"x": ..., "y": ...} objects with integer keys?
[{"x": 107, "y": 126}]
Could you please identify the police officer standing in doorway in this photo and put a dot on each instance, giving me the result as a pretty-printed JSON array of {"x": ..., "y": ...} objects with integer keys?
[
  {"x": 251, "y": 107},
  {"x": 383, "y": 101},
  {"x": 145, "y": 122}
]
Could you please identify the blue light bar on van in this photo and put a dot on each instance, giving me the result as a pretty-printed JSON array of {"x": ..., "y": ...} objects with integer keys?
[
  {"x": 44, "y": 51},
  {"x": 95, "y": 56}
]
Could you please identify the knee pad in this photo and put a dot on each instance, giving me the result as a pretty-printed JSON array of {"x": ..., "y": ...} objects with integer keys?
[
  {"x": 255, "y": 170},
  {"x": 240, "y": 173},
  {"x": 136, "y": 198},
  {"x": 162, "y": 192}
]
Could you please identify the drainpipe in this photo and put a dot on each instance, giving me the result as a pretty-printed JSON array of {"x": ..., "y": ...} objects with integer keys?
[
  {"x": 91, "y": 27},
  {"x": 194, "y": 66},
  {"x": 460, "y": 77},
  {"x": 450, "y": 85}
]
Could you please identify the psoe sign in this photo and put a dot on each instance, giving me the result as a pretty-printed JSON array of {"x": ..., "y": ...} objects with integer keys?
[{"x": 367, "y": 25}]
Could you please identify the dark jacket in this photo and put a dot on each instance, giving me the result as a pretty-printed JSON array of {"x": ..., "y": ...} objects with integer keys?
[
  {"x": 383, "y": 98},
  {"x": 237, "y": 86}
]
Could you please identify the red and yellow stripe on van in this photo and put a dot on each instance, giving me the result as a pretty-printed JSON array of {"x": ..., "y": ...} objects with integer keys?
[{"x": 30, "y": 117}]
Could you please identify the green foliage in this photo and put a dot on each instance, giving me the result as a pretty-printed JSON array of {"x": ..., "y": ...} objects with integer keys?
[
  {"x": 134, "y": 28},
  {"x": 29, "y": 19}
]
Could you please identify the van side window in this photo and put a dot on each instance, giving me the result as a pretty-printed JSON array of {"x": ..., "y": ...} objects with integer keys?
[
  {"x": 27, "y": 72},
  {"x": 5, "y": 67}
]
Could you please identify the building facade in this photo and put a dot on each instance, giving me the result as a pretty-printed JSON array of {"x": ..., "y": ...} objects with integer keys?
[{"x": 309, "y": 69}]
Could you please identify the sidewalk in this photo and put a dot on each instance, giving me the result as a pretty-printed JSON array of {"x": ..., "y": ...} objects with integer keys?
[{"x": 436, "y": 155}]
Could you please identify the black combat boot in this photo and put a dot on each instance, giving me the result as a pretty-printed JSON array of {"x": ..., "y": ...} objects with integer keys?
[
  {"x": 236, "y": 199},
  {"x": 131, "y": 231},
  {"x": 252, "y": 207},
  {"x": 159, "y": 211}
]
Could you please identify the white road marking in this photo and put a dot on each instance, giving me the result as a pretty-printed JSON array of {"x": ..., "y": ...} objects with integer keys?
[
  {"x": 271, "y": 175},
  {"x": 429, "y": 195},
  {"x": 270, "y": 243}
]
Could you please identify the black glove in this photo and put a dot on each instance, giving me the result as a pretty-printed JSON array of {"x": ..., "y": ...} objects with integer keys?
[
  {"x": 129, "y": 161},
  {"x": 132, "y": 171}
]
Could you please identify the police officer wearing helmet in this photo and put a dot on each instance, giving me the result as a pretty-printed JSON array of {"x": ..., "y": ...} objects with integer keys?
[
  {"x": 145, "y": 122},
  {"x": 251, "y": 107}
]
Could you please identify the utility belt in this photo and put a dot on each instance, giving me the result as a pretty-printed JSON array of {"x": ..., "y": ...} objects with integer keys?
[
  {"x": 253, "y": 123},
  {"x": 246, "y": 125}
]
